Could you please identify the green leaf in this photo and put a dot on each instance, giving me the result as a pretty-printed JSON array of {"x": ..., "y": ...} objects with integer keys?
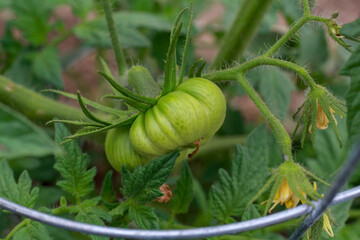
[
  {"x": 251, "y": 213},
  {"x": 313, "y": 47},
  {"x": 32, "y": 19},
  {"x": 183, "y": 193},
  {"x": 353, "y": 108},
  {"x": 72, "y": 164},
  {"x": 47, "y": 67},
  {"x": 276, "y": 90},
  {"x": 21, "y": 138},
  {"x": 32, "y": 231},
  {"x": 246, "y": 177},
  {"x": 351, "y": 29},
  {"x": 329, "y": 155},
  {"x": 143, "y": 184},
  {"x": 144, "y": 20},
  {"x": 81, "y": 8},
  {"x": 94, "y": 33},
  {"x": 95, "y": 216},
  {"x": 352, "y": 66},
  {"x": 20, "y": 192},
  {"x": 107, "y": 192},
  {"x": 143, "y": 216}
]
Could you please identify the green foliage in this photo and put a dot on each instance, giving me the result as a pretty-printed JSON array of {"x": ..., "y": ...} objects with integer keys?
[
  {"x": 21, "y": 138},
  {"x": 183, "y": 193},
  {"x": 143, "y": 184},
  {"x": 72, "y": 164},
  {"x": 47, "y": 68},
  {"x": 276, "y": 90},
  {"x": 248, "y": 173},
  {"x": 32, "y": 231},
  {"x": 352, "y": 69},
  {"x": 143, "y": 216},
  {"x": 351, "y": 29},
  {"x": 20, "y": 192}
]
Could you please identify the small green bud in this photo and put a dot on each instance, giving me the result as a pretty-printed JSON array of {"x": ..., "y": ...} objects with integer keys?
[{"x": 141, "y": 81}]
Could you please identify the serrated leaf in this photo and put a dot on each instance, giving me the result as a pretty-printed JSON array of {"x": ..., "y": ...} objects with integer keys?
[
  {"x": 32, "y": 231},
  {"x": 91, "y": 218},
  {"x": 72, "y": 164},
  {"x": 32, "y": 19},
  {"x": 21, "y": 138},
  {"x": 351, "y": 29},
  {"x": 143, "y": 184},
  {"x": 143, "y": 216},
  {"x": 20, "y": 192},
  {"x": 251, "y": 213},
  {"x": 353, "y": 107},
  {"x": 183, "y": 193},
  {"x": 276, "y": 90},
  {"x": 248, "y": 173},
  {"x": 47, "y": 67}
]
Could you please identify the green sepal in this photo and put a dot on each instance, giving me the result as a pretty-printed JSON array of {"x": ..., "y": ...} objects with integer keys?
[
  {"x": 133, "y": 103},
  {"x": 200, "y": 69},
  {"x": 193, "y": 68},
  {"x": 186, "y": 47},
  {"x": 88, "y": 114},
  {"x": 76, "y": 123},
  {"x": 93, "y": 130},
  {"x": 119, "y": 113},
  {"x": 170, "y": 64},
  {"x": 127, "y": 93}
]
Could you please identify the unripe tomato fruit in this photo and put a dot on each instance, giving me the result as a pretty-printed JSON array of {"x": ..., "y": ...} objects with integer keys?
[
  {"x": 194, "y": 111},
  {"x": 119, "y": 150}
]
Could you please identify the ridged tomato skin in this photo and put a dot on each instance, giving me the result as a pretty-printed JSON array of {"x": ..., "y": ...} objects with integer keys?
[
  {"x": 119, "y": 150},
  {"x": 195, "y": 110}
]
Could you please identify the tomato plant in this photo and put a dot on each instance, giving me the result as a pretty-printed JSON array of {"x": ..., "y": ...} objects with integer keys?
[{"x": 175, "y": 103}]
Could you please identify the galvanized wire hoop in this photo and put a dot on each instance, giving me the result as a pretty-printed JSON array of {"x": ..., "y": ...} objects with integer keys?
[{"x": 332, "y": 198}]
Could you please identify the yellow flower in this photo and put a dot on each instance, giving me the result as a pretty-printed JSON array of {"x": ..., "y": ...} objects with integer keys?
[
  {"x": 285, "y": 195},
  {"x": 326, "y": 226},
  {"x": 322, "y": 122}
]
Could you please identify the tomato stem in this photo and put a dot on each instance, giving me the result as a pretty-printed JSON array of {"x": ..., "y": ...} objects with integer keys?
[{"x": 119, "y": 54}]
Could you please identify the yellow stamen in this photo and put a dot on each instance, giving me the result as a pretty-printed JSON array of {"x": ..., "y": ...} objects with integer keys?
[{"x": 327, "y": 225}]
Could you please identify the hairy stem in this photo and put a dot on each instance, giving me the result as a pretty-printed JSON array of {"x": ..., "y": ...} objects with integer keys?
[
  {"x": 34, "y": 105},
  {"x": 281, "y": 135},
  {"x": 243, "y": 28},
  {"x": 306, "y": 7},
  {"x": 232, "y": 73},
  {"x": 119, "y": 54}
]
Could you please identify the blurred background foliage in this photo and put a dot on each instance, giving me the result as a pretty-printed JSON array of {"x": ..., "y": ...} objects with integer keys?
[{"x": 56, "y": 44}]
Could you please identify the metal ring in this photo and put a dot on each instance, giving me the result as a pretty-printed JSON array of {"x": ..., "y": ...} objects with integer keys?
[{"x": 172, "y": 234}]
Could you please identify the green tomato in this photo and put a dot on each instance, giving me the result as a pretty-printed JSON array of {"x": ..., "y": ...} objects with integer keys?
[
  {"x": 194, "y": 111},
  {"x": 119, "y": 150}
]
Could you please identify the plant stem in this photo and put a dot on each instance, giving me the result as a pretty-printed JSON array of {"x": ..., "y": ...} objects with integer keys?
[
  {"x": 278, "y": 129},
  {"x": 286, "y": 36},
  {"x": 306, "y": 7},
  {"x": 119, "y": 54},
  {"x": 242, "y": 30},
  {"x": 34, "y": 105},
  {"x": 17, "y": 228},
  {"x": 232, "y": 73}
]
